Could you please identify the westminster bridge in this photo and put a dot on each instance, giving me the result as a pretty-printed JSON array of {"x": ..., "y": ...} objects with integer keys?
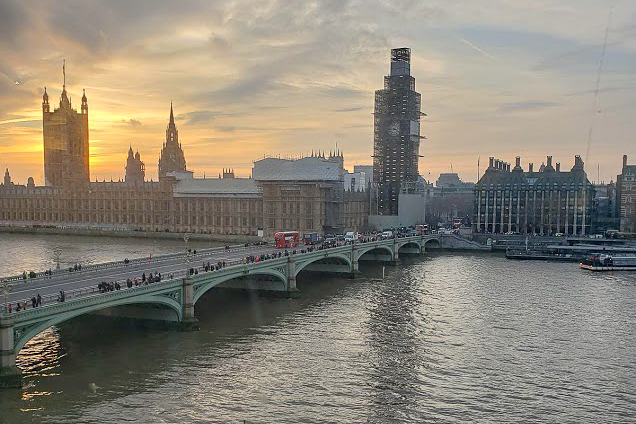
[{"x": 184, "y": 280}]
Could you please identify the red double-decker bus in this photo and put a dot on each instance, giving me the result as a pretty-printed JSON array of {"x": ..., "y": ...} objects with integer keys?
[
  {"x": 421, "y": 229},
  {"x": 286, "y": 239}
]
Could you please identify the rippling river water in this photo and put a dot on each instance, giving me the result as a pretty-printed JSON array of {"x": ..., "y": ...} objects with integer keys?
[{"x": 448, "y": 337}]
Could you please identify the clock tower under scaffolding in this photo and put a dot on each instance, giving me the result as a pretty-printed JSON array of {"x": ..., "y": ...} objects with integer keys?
[{"x": 396, "y": 136}]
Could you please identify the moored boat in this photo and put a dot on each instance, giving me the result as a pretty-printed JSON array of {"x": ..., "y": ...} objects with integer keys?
[{"x": 609, "y": 263}]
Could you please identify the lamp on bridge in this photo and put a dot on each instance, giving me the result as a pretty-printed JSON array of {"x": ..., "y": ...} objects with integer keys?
[
  {"x": 188, "y": 256},
  {"x": 6, "y": 287},
  {"x": 57, "y": 252}
]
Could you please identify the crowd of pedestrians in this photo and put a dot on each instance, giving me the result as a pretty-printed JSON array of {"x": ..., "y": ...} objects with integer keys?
[
  {"x": 36, "y": 301},
  {"x": 104, "y": 287}
]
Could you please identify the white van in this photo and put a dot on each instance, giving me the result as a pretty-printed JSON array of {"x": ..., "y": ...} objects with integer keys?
[
  {"x": 351, "y": 236},
  {"x": 387, "y": 234}
]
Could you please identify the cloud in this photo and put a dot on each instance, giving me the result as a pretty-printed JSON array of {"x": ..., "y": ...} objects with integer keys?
[
  {"x": 205, "y": 116},
  {"x": 132, "y": 122},
  {"x": 218, "y": 45},
  {"x": 280, "y": 76},
  {"x": 526, "y": 106},
  {"x": 350, "y": 109}
]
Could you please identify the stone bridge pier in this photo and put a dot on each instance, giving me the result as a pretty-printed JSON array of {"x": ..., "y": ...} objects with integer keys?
[
  {"x": 396, "y": 252},
  {"x": 10, "y": 374},
  {"x": 188, "y": 322},
  {"x": 355, "y": 268},
  {"x": 291, "y": 275}
]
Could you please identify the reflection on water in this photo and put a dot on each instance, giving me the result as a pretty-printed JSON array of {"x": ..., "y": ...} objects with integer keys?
[
  {"x": 26, "y": 252},
  {"x": 444, "y": 338},
  {"x": 393, "y": 353}
]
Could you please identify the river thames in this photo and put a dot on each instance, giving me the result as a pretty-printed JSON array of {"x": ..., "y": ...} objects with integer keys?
[{"x": 447, "y": 337}]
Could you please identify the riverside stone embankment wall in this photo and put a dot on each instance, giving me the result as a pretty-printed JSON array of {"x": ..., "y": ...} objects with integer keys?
[{"x": 229, "y": 238}]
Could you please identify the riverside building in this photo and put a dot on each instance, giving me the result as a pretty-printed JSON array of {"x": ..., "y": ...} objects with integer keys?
[
  {"x": 545, "y": 202},
  {"x": 626, "y": 197},
  {"x": 306, "y": 195},
  {"x": 309, "y": 195}
]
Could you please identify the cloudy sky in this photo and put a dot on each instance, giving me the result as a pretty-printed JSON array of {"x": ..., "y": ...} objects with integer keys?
[{"x": 265, "y": 77}]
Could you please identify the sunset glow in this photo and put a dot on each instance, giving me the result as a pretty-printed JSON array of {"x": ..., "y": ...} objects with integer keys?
[{"x": 252, "y": 78}]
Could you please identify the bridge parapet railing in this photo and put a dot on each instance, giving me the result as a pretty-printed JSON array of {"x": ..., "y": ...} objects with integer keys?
[
  {"x": 83, "y": 294},
  {"x": 51, "y": 299},
  {"x": 26, "y": 303},
  {"x": 136, "y": 261},
  {"x": 114, "y": 264},
  {"x": 70, "y": 295}
]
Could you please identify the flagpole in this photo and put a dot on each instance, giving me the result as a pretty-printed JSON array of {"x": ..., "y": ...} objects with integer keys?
[{"x": 479, "y": 157}]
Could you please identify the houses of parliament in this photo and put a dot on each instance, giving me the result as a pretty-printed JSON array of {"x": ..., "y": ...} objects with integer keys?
[{"x": 306, "y": 194}]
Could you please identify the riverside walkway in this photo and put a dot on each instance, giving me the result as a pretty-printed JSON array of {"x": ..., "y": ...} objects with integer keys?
[{"x": 184, "y": 279}]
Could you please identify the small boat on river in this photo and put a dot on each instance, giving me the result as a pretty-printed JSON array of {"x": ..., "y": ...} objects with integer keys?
[{"x": 609, "y": 263}]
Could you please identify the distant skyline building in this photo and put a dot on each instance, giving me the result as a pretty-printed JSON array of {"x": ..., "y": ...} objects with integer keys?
[
  {"x": 171, "y": 158},
  {"x": 368, "y": 173},
  {"x": 355, "y": 181},
  {"x": 396, "y": 135},
  {"x": 65, "y": 141},
  {"x": 450, "y": 181}
]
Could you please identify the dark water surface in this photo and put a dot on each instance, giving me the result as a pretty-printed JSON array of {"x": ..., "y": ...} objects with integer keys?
[{"x": 449, "y": 337}]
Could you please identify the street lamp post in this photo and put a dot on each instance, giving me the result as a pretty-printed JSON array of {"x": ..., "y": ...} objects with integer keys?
[
  {"x": 6, "y": 289},
  {"x": 57, "y": 252},
  {"x": 186, "y": 237}
]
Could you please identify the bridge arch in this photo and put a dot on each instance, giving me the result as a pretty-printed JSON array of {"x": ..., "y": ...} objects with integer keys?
[
  {"x": 410, "y": 244},
  {"x": 33, "y": 330},
  {"x": 363, "y": 251},
  {"x": 203, "y": 288},
  {"x": 432, "y": 243},
  {"x": 340, "y": 256}
]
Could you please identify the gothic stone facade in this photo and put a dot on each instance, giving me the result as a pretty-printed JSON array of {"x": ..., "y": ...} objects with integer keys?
[
  {"x": 177, "y": 202},
  {"x": 171, "y": 158},
  {"x": 313, "y": 206},
  {"x": 65, "y": 142},
  {"x": 221, "y": 206}
]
